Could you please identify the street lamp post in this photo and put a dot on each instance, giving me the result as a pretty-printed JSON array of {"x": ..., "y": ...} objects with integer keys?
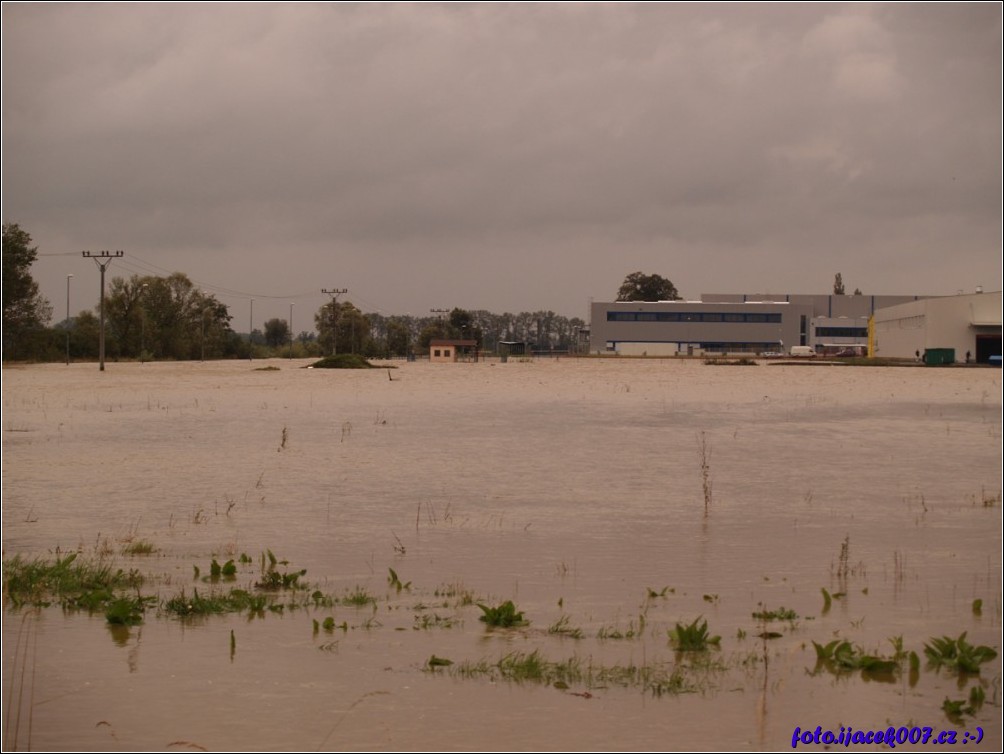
[
  {"x": 142, "y": 323},
  {"x": 204, "y": 310},
  {"x": 291, "y": 331},
  {"x": 68, "y": 319}
]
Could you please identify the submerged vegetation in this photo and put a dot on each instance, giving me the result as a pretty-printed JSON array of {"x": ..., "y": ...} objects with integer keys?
[{"x": 271, "y": 586}]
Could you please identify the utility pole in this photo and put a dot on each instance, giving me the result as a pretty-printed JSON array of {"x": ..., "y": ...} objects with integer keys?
[
  {"x": 334, "y": 293},
  {"x": 251, "y": 333},
  {"x": 108, "y": 256}
]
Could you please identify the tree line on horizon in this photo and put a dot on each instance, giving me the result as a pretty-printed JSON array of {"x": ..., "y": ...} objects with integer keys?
[{"x": 152, "y": 317}]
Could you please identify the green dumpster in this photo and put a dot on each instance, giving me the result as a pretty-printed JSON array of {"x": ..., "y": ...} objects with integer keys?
[{"x": 939, "y": 356}]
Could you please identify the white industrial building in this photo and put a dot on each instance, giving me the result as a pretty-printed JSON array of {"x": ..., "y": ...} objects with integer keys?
[{"x": 969, "y": 325}]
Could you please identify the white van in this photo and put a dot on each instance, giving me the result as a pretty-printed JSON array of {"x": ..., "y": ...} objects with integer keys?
[{"x": 804, "y": 352}]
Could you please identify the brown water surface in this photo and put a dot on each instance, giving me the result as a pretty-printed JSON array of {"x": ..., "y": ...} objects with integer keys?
[{"x": 572, "y": 487}]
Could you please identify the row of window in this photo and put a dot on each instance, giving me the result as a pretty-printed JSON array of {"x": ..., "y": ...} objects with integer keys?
[
  {"x": 721, "y": 347},
  {"x": 732, "y": 317},
  {"x": 841, "y": 332}
]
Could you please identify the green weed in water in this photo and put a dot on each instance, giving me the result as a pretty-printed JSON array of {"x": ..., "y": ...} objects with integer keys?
[
  {"x": 426, "y": 622},
  {"x": 781, "y": 613},
  {"x": 957, "y": 654},
  {"x": 359, "y": 597},
  {"x": 653, "y": 594},
  {"x": 395, "y": 582},
  {"x": 843, "y": 657},
  {"x": 272, "y": 578},
  {"x": 614, "y": 632},
  {"x": 827, "y": 600},
  {"x": 228, "y": 570},
  {"x": 955, "y": 709},
  {"x": 503, "y": 616},
  {"x": 561, "y": 627},
  {"x": 693, "y": 637},
  {"x": 126, "y": 611},
  {"x": 139, "y": 547},
  {"x": 533, "y": 667}
]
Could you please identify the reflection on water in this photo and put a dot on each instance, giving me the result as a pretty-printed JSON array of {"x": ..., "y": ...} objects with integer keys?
[{"x": 572, "y": 488}]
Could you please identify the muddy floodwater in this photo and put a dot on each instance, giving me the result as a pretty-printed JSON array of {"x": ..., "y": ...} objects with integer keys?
[{"x": 609, "y": 500}]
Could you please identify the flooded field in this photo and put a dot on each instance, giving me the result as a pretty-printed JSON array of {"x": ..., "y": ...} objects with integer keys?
[{"x": 613, "y": 502}]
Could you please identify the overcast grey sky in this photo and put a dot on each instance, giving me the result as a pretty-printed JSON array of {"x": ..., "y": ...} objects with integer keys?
[{"x": 505, "y": 156}]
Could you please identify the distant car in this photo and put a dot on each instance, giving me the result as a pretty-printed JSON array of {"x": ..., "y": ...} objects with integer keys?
[
  {"x": 772, "y": 355},
  {"x": 804, "y": 352},
  {"x": 847, "y": 352}
]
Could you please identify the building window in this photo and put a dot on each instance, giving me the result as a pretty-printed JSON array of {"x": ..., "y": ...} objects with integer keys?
[
  {"x": 732, "y": 317},
  {"x": 436, "y": 352},
  {"x": 446, "y": 353},
  {"x": 841, "y": 332}
]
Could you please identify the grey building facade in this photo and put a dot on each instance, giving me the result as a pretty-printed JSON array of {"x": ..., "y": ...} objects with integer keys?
[{"x": 735, "y": 323}]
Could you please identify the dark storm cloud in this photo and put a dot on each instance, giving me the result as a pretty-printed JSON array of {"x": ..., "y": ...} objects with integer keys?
[{"x": 511, "y": 156}]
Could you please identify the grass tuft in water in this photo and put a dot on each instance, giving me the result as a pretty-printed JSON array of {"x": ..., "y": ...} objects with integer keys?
[
  {"x": 561, "y": 628},
  {"x": 781, "y": 613},
  {"x": 139, "y": 547},
  {"x": 359, "y": 597},
  {"x": 69, "y": 581}
]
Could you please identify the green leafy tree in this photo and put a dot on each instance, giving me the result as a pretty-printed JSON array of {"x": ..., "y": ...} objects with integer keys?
[
  {"x": 432, "y": 330},
  {"x": 398, "y": 336},
  {"x": 838, "y": 285},
  {"x": 126, "y": 316},
  {"x": 84, "y": 333},
  {"x": 172, "y": 318},
  {"x": 24, "y": 308},
  {"x": 276, "y": 333},
  {"x": 344, "y": 326},
  {"x": 641, "y": 287}
]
